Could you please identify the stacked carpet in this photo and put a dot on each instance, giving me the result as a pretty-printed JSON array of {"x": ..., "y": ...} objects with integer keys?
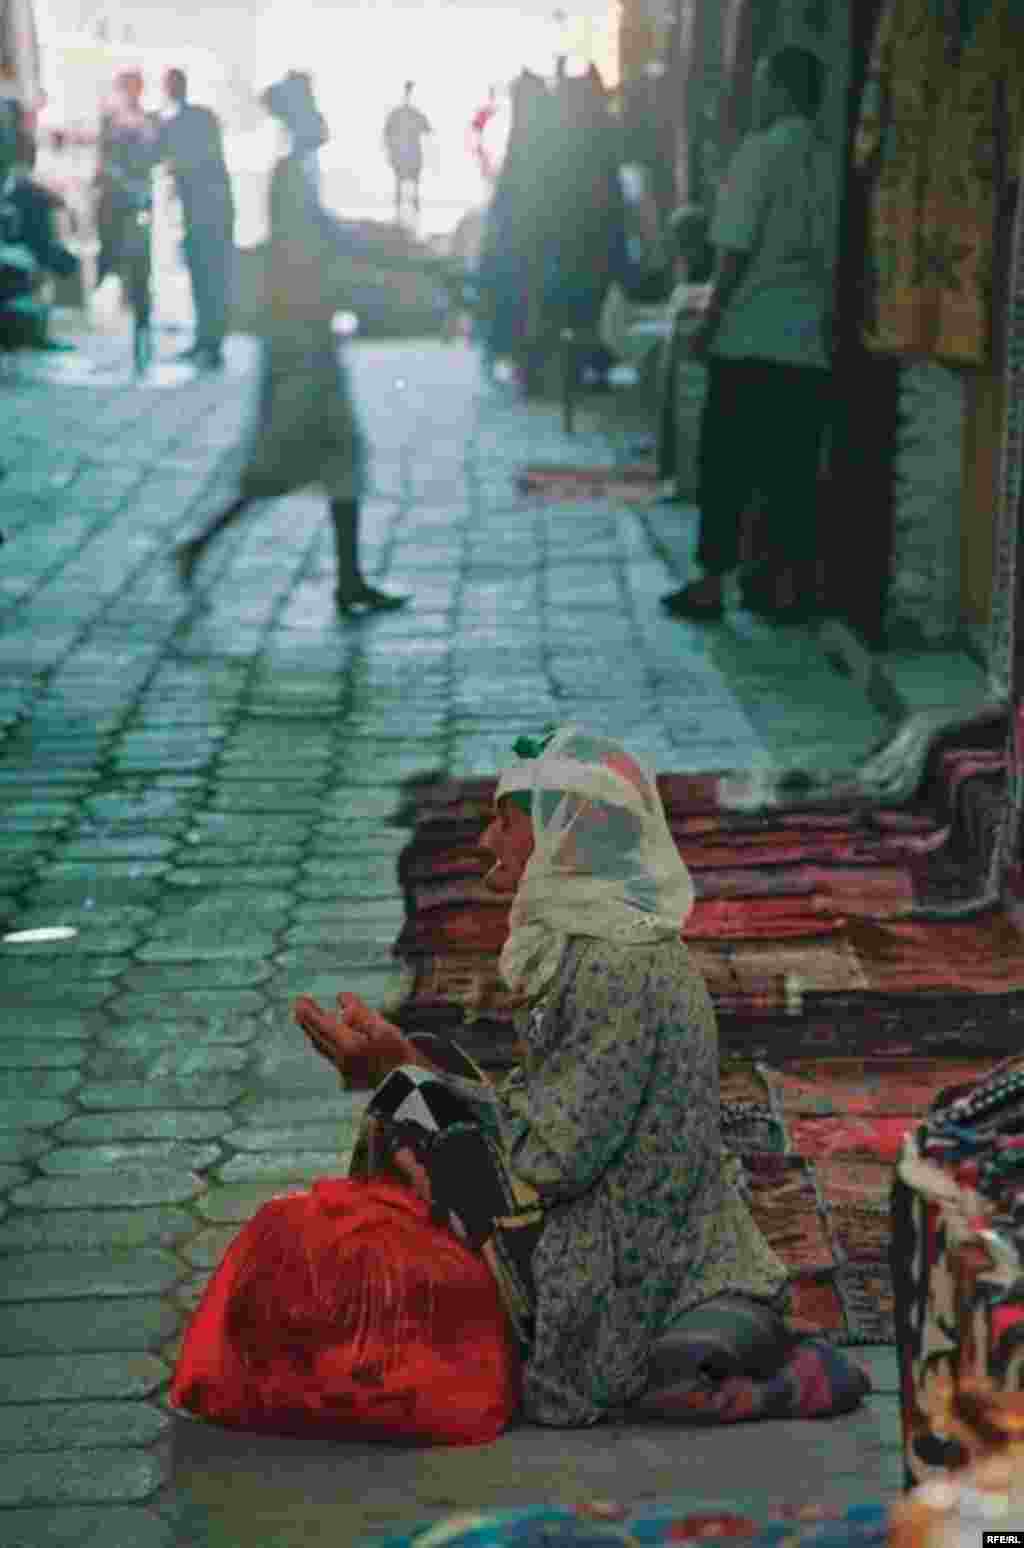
[
  {"x": 631, "y": 482},
  {"x": 842, "y": 1013}
]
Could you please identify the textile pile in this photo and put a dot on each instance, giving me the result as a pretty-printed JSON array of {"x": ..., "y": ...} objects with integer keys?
[
  {"x": 840, "y": 1017},
  {"x": 552, "y": 481},
  {"x": 802, "y": 925}
]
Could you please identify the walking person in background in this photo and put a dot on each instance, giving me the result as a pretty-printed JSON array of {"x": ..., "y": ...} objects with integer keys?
[
  {"x": 192, "y": 144},
  {"x": 404, "y": 131},
  {"x": 129, "y": 137},
  {"x": 765, "y": 337},
  {"x": 308, "y": 431},
  {"x": 477, "y": 131}
]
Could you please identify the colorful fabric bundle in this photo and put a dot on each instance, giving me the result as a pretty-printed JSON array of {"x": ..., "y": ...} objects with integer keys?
[
  {"x": 343, "y": 1310},
  {"x": 602, "y": 1524},
  {"x": 957, "y": 1260}
]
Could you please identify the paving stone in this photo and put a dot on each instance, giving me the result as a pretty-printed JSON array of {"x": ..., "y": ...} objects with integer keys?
[
  {"x": 84, "y": 1325},
  {"x": 285, "y": 1166},
  {"x": 332, "y": 1138},
  {"x": 218, "y": 973},
  {"x": 80, "y": 1160},
  {"x": 255, "y": 878},
  {"x": 262, "y": 796},
  {"x": 144, "y": 803},
  {"x": 36, "y": 967},
  {"x": 118, "y": 847},
  {"x": 190, "y": 1291},
  {"x": 37, "y": 822},
  {"x": 132, "y": 1187},
  {"x": 87, "y": 1526},
  {"x": 20, "y": 1053},
  {"x": 237, "y": 941},
  {"x": 16, "y": 847},
  {"x": 345, "y": 950},
  {"x": 68, "y": 1231},
  {"x": 102, "y": 1476},
  {"x": 201, "y": 1091},
  {"x": 32, "y": 1085},
  {"x": 20, "y": 1113},
  {"x": 150, "y": 1036},
  {"x": 338, "y": 1108},
  {"x": 89, "y": 1128},
  {"x": 369, "y": 917},
  {"x": 235, "y": 1202},
  {"x": 206, "y": 1249},
  {"x": 362, "y": 880},
  {"x": 96, "y": 890},
  {"x": 213, "y": 1005},
  {"x": 220, "y": 902},
  {"x": 57, "y": 1276},
  {"x": 179, "y": 1061},
  {"x": 15, "y": 808},
  {"x": 79, "y": 1426},
  {"x": 22, "y": 1145},
  {"x": 105, "y": 878},
  {"x": 261, "y": 853},
  {"x": 249, "y": 831}
]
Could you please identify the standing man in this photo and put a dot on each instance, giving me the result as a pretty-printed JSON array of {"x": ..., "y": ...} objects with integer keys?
[
  {"x": 404, "y": 129},
  {"x": 192, "y": 144},
  {"x": 765, "y": 338}
]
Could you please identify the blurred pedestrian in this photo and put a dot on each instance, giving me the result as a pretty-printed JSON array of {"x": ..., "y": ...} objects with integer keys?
[
  {"x": 404, "y": 130},
  {"x": 765, "y": 338},
  {"x": 478, "y": 126},
  {"x": 308, "y": 431},
  {"x": 191, "y": 142},
  {"x": 129, "y": 136}
]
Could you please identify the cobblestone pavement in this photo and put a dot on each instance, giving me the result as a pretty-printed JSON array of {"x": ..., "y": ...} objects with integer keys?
[{"x": 203, "y": 788}]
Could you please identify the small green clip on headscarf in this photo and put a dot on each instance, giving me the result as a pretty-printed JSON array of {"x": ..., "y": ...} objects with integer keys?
[{"x": 528, "y": 747}]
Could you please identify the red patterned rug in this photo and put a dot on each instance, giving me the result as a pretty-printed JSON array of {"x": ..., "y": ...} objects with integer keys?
[
  {"x": 631, "y": 482},
  {"x": 839, "y": 1020}
]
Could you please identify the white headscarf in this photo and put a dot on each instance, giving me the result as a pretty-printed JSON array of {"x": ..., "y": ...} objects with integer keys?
[{"x": 604, "y": 863}]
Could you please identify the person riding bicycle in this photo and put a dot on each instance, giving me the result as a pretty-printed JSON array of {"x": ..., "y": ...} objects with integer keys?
[{"x": 128, "y": 150}]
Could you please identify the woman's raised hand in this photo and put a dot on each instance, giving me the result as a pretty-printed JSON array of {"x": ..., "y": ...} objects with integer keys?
[{"x": 358, "y": 1041}]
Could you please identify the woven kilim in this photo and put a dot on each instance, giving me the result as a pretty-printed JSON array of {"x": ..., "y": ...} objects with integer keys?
[{"x": 552, "y": 481}]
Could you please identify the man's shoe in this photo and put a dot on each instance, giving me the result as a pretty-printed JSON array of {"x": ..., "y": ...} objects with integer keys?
[
  {"x": 186, "y": 556},
  {"x": 351, "y": 600},
  {"x": 693, "y": 604}
]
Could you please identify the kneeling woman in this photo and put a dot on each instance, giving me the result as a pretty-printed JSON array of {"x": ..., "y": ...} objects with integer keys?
[{"x": 593, "y": 1179}]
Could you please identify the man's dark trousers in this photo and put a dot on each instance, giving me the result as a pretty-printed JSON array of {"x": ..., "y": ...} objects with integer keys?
[{"x": 761, "y": 433}]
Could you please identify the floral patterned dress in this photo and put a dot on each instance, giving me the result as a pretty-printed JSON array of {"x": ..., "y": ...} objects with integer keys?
[{"x": 609, "y": 1131}]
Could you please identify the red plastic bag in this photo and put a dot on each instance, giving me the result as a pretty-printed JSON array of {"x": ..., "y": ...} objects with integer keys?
[{"x": 343, "y": 1310}]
